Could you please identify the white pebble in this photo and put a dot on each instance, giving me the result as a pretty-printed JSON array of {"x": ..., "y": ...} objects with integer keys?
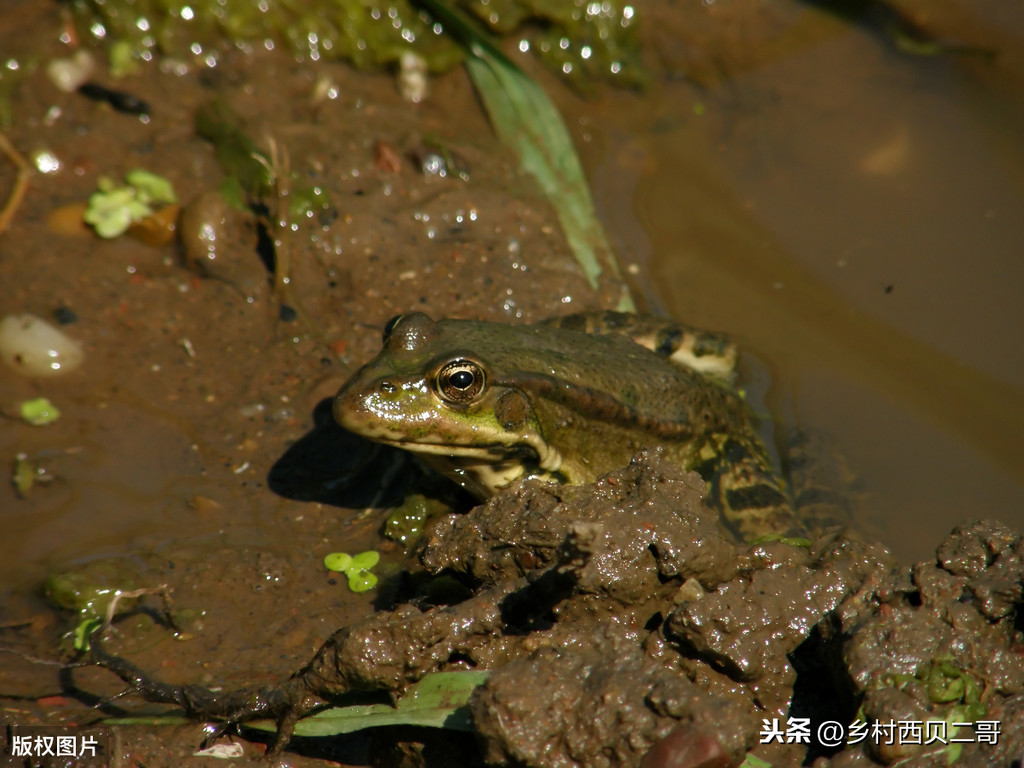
[
  {"x": 68, "y": 74},
  {"x": 33, "y": 347}
]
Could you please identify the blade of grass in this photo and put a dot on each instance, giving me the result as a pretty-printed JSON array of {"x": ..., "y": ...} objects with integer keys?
[
  {"x": 526, "y": 120},
  {"x": 437, "y": 701}
]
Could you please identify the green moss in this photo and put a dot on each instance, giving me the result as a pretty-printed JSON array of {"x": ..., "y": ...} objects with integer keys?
[
  {"x": 578, "y": 38},
  {"x": 405, "y": 524}
]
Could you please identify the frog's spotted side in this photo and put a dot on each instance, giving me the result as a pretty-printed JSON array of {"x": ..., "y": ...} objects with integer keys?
[{"x": 566, "y": 400}]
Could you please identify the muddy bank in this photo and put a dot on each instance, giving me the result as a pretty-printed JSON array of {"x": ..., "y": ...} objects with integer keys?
[{"x": 623, "y": 627}]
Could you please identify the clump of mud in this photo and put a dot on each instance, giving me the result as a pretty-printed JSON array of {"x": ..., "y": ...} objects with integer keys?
[{"x": 623, "y": 627}]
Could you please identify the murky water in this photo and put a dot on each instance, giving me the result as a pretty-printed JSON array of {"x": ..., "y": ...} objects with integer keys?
[{"x": 853, "y": 214}]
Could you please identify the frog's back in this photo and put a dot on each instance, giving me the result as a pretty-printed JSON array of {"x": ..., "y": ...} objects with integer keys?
[{"x": 615, "y": 379}]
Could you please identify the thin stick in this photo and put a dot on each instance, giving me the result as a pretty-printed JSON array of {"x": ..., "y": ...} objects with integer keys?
[{"x": 20, "y": 183}]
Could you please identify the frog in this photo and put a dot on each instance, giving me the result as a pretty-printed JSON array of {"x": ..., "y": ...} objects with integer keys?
[{"x": 568, "y": 400}]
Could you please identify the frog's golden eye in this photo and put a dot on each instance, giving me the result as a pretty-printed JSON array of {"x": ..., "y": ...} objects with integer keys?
[{"x": 460, "y": 381}]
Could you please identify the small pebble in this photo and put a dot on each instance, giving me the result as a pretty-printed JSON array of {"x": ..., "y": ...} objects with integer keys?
[
  {"x": 69, "y": 74},
  {"x": 219, "y": 242},
  {"x": 33, "y": 347},
  {"x": 65, "y": 316}
]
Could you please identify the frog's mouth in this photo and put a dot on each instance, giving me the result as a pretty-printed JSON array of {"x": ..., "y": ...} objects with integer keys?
[
  {"x": 530, "y": 451},
  {"x": 486, "y": 478}
]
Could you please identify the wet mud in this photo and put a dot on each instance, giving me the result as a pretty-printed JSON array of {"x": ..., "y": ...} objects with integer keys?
[
  {"x": 194, "y": 455},
  {"x": 625, "y": 628}
]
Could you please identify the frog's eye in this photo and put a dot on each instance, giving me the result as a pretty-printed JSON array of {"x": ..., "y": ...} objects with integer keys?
[{"x": 460, "y": 381}]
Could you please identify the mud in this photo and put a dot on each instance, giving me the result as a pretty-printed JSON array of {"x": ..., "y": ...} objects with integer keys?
[
  {"x": 623, "y": 628},
  {"x": 622, "y": 625}
]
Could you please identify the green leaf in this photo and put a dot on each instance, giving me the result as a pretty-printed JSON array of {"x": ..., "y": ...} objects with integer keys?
[
  {"x": 437, "y": 701},
  {"x": 83, "y": 631},
  {"x": 39, "y": 412},
  {"x": 112, "y": 209},
  {"x": 528, "y": 122},
  {"x": 338, "y": 561},
  {"x": 754, "y": 762},
  {"x": 231, "y": 190},
  {"x": 975, "y": 711},
  {"x": 150, "y": 188},
  {"x": 361, "y": 581},
  {"x": 24, "y": 476},
  {"x": 236, "y": 153},
  {"x": 122, "y": 59},
  {"x": 355, "y": 567},
  {"x": 111, "y": 212},
  {"x": 364, "y": 561}
]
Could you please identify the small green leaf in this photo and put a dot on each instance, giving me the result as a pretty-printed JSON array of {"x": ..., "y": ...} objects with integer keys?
[
  {"x": 24, "y": 476},
  {"x": 356, "y": 567},
  {"x": 361, "y": 581},
  {"x": 975, "y": 711},
  {"x": 83, "y": 631},
  {"x": 306, "y": 200},
  {"x": 231, "y": 190},
  {"x": 236, "y": 153},
  {"x": 947, "y": 682},
  {"x": 112, "y": 209},
  {"x": 150, "y": 188},
  {"x": 754, "y": 762},
  {"x": 111, "y": 212},
  {"x": 122, "y": 59},
  {"x": 942, "y": 689},
  {"x": 39, "y": 412},
  {"x": 338, "y": 561},
  {"x": 364, "y": 561}
]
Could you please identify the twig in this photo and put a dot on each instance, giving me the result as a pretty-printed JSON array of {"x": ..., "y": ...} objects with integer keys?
[{"x": 24, "y": 171}]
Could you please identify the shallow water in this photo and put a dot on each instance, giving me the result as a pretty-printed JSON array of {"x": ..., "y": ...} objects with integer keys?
[{"x": 852, "y": 214}]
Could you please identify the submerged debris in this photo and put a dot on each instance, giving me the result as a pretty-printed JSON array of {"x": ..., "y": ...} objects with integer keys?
[{"x": 119, "y": 100}]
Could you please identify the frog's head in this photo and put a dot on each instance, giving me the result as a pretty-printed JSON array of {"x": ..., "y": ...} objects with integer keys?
[{"x": 431, "y": 391}]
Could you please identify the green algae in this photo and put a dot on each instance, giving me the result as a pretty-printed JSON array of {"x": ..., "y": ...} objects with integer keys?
[{"x": 580, "y": 39}]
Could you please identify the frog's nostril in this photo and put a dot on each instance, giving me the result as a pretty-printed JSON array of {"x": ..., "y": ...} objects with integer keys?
[{"x": 387, "y": 386}]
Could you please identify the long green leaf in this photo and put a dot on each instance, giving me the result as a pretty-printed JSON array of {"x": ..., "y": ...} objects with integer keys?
[
  {"x": 437, "y": 701},
  {"x": 528, "y": 122}
]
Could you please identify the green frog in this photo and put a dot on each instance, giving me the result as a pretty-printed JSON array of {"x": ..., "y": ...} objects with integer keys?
[{"x": 566, "y": 400}]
